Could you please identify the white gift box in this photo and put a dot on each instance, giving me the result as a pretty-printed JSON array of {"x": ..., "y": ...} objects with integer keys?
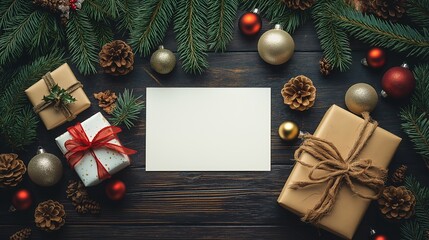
[{"x": 86, "y": 168}]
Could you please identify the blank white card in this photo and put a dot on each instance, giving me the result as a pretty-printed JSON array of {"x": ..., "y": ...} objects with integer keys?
[{"x": 208, "y": 129}]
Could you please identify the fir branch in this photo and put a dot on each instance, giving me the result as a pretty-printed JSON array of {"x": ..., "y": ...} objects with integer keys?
[
  {"x": 48, "y": 34},
  {"x": 128, "y": 11},
  {"x": 418, "y": 11},
  {"x": 9, "y": 9},
  {"x": 221, "y": 23},
  {"x": 151, "y": 25},
  {"x": 291, "y": 20},
  {"x": 82, "y": 42},
  {"x": 127, "y": 110},
  {"x": 111, "y": 6},
  {"x": 22, "y": 130},
  {"x": 411, "y": 230},
  {"x": 190, "y": 25},
  {"x": 95, "y": 10},
  {"x": 103, "y": 32},
  {"x": 18, "y": 36},
  {"x": 333, "y": 40},
  {"x": 377, "y": 32}
]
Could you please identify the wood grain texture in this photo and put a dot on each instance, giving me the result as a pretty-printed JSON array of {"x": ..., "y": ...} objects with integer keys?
[{"x": 213, "y": 205}]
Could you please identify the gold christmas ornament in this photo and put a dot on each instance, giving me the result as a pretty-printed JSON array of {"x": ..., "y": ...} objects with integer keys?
[
  {"x": 12, "y": 170},
  {"x": 361, "y": 97},
  {"x": 45, "y": 169},
  {"x": 163, "y": 60},
  {"x": 289, "y": 131},
  {"x": 276, "y": 46},
  {"x": 299, "y": 93}
]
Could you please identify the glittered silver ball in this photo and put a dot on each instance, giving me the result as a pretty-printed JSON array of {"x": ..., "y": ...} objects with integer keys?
[
  {"x": 361, "y": 97},
  {"x": 45, "y": 169},
  {"x": 163, "y": 60},
  {"x": 276, "y": 46}
]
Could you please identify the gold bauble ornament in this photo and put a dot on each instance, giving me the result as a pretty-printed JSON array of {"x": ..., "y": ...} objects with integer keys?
[
  {"x": 361, "y": 97},
  {"x": 288, "y": 131},
  {"x": 163, "y": 60},
  {"x": 276, "y": 46},
  {"x": 45, "y": 169}
]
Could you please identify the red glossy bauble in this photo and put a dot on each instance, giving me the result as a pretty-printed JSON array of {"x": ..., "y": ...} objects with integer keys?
[
  {"x": 250, "y": 23},
  {"x": 376, "y": 57},
  {"x": 115, "y": 190},
  {"x": 398, "y": 82},
  {"x": 22, "y": 200},
  {"x": 380, "y": 237}
]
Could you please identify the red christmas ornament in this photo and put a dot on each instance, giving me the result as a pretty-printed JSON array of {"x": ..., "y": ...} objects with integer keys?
[
  {"x": 115, "y": 190},
  {"x": 398, "y": 82},
  {"x": 376, "y": 236},
  {"x": 250, "y": 23},
  {"x": 22, "y": 200},
  {"x": 375, "y": 58},
  {"x": 73, "y": 6}
]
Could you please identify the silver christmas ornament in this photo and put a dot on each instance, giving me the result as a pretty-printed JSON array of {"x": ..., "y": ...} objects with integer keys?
[
  {"x": 45, "y": 169},
  {"x": 163, "y": 60}
]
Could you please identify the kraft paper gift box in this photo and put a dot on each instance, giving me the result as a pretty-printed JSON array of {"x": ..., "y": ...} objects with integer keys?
[
  {"x": 113, "y": 161},
  {"x": 64, "y": 77},
  {"x": 341, "y": 128}
]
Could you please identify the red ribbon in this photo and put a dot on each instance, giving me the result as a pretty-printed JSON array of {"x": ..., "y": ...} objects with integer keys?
[{"x": 79, "y": 145}]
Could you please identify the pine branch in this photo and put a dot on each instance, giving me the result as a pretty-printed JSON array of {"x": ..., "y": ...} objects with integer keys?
[
  {"x": 18, "y": 36},
  {"x": 411, "y": 230},
  {"x": 291, "y": 20},
  {"x": 128, "y": 11},
  {"x": 49, "y": 34},
  {"x": 127, "y": 110},
  {"x": 333, "y": 39},
  {"x": 95, "y": 10},
  {"x": 221, "y": 17},
  {"x": 9, "y": 9},
  {"x": 82, "y": 43},
  {"x": 418, "y": 11},
  {"x": 151, "y": 25},
  {"x": 377, "y": 32},
  {"x": 22, "y": 130},
  {"x": 103, "y": 32},
  {"x": 111, "y": 6},
  {"x": 190, "y": 25}
]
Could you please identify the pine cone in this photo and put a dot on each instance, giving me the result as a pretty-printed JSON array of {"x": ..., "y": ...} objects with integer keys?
[
  {"x": 116, "y": 58},
  {"x": 427, "y": 234},
  {"x": 76, "y": 191},
  {"x": 391, "y": 10},
  {"x": 49, "y": 215},
  {"x": 325, "y": 66},
  {"x": 299, "y": 4},
  {"x": 106, "y": 100},
  {"x": 21, "y": 234},
  {"x": 397, "y": 202},
  {"x": 88, "y": 206},
  {"x": 55, "y": 6},
  {"x": 299, "y": 93},
  {"x": 12, "y": 170},
  {"x": 399, "y": 174}
]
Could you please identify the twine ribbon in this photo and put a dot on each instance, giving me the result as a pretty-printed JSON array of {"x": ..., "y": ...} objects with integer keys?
[
  {"x": 339, "y": 170},
  {"x": 57, "y": 104},
  {"x": 79, "y": 145}
]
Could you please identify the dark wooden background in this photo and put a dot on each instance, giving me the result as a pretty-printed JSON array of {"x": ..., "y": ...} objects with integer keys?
[{"x": 214, "y": 205}]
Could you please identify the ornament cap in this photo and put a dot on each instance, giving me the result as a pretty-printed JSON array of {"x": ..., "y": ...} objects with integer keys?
[
  {"x": 383, "y": 93},
  {"x": 364, "y": 62},
  {"x": 40, "y": 150},
  {"x": 405, "y": 65},
  {"x": 161, "y": 47},
  {"x": 255, "y": 11},
  {"x": 372, "y": 232},
  {"x": 278, "y": 26}
]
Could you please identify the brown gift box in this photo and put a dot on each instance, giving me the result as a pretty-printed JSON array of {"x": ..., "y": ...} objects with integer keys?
[
  {"x": 341, "y": 128},
  {"x": 64, "y": 77}
]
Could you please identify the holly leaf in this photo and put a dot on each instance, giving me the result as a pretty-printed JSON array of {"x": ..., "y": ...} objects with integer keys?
[{"x": 59, "y": 94}]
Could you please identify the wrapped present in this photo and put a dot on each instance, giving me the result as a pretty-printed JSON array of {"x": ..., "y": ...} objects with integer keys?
[
  {"x": 58, "y": 97},
  {"x": 339, "y": 170},
  {"x": 93, "y": 149}
]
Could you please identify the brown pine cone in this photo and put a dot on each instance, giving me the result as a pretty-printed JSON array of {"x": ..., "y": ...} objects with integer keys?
[
  {"x": 391, "y": 10},
  {"x": 53, "y": 5},
  {"x": 299, "y": 4},
  {"x": 325, "y": 66},
  {"x": 88, "y": 206},
  {"x": 399, "y": 174},
  {"x": 427, "y": 234},
  {"x": 397, "y": 202},
  {"x": 12, "y": 170},
  {"x": 299, "y": 93},
  {"x": 49, "y": 215},
  {"x": 116, "y": 58},
  {"x": 76, "y": 191},
  {"x": 106, "y": 100},
  {"x": 21, "y": 234}
]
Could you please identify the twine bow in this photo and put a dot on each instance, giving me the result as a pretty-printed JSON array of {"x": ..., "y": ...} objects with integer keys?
[
  {"x": 79, "y": 145},
  {"x": 57, "y": 104},
  {"x": 339, "y": 170}
]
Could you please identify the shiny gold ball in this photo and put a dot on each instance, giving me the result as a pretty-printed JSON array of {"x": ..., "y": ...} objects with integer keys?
[
  {"x": 361, "y": 97},
  {"x": 45, "y": 169},
  {"x": 163, "y": 60},
  {"x": 276, "y": 46},
  {"x": 288, "y": 131}
]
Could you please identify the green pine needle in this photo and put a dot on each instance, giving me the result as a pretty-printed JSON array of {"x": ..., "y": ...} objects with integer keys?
[
  {"x": 103, "y": 31},
  {"x": 418, "y": 11},
  {"x": 22, "y": 130},
  {"x": 9, "y": 9},
  {"x": 96, "y": 10},
  {"x": 128, "y": 10},
  {"x": 190, "y": 26},
  {"x": 127, "y": 110},
  {"x": 151, "y": 24},
  {"x": 221, "y": 23},
  {"x": 82, "y": 42}
]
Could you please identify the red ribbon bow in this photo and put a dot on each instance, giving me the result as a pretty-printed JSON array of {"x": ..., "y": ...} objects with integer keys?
[{"x": 79, "y": 145}]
